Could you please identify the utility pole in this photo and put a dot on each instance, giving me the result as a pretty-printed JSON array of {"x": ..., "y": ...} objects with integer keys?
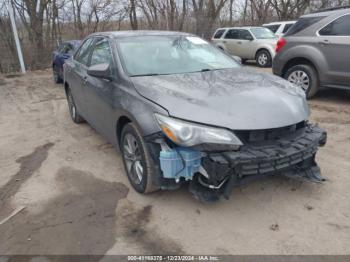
[{"x": 15, "y": 35}]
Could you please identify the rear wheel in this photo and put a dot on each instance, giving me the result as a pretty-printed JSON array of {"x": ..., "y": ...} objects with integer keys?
[
  {"x": 263, "y": 58},
  {"x": 56, "y": 76},
  {"x": 137, "y": 161},
  {"x": 304, "y": 76},
  {"x": 73, "y": 109}
]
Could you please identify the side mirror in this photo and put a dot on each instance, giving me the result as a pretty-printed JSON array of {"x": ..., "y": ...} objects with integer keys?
[{"x": 100, "y": 71}]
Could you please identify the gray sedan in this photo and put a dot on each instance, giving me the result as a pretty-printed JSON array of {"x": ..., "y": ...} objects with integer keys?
[{"x": 182, "y": 111}]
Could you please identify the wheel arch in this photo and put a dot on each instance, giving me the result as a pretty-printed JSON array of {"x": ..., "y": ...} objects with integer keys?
[
  {"x": 121, "y": 123},
  {"x": 66, "y": 86},
  {"x": 262, "y": 49},
  {"x": 298, "y": 61}
]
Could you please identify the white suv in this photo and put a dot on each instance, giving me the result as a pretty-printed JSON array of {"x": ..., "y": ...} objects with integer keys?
[
  {"x": 249, "y": 43},
  {"x": 279, "y": 28}
]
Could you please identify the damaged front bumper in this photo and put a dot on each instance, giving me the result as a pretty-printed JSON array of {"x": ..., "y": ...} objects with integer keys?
[{"x": 291, "y": 155}]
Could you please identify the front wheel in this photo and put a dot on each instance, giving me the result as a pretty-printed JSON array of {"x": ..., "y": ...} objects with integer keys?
[
  {"x": 137, "y": 161},
  {"x": 304, "y": 76},
  {"x": 263, "y": 58},
  {"x": 73, "y": 112}
]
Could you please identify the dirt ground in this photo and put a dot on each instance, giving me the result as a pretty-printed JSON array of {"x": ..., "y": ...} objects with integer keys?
[{"x": 78, "y": 201}]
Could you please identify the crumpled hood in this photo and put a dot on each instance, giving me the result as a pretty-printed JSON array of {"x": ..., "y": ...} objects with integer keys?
[{"x": 238, "y": 99}]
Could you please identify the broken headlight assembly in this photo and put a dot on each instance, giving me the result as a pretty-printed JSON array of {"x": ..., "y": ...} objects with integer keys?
[{"x": 189, "y": 134}]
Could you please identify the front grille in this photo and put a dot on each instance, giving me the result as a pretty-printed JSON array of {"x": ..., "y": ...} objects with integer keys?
[
  {"x": 267, "y": 166},
  {"x": 251, "y": 136},
  {"x": 277, "y": 156}
]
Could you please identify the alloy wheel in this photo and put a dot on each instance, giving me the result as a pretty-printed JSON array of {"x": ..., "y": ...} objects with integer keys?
[
  {"x": 55, "y": 76},
  {"x": 71, "y": 105},
  {"x": 132, "y": 157},
  {"x": 262, "y": 59},
  {"x": 300, "y": 78}
]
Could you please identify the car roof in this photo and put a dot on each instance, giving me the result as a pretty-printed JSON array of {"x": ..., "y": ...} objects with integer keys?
[
  {"x": 280, "y": 22},
  {"x": 132, "y": 33},
  {"x": 328, "y": 13},
  {"x": 239, "y": 27}
]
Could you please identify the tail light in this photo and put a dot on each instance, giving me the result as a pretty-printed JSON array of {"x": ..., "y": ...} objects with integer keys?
[{"x": 280, "y": 44}]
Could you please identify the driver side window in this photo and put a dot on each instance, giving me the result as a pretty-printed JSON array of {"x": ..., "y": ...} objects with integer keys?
[
  {"x": 245, "y": 35},
  {"x": 101, "y": 53},
  {"x": 82, "y": 56}
]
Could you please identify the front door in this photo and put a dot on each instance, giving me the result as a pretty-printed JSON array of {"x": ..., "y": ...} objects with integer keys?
[
  {"x": 334, "y": 42},
  {"x": 246, "y": 44},
  {"x": 99, "y": 93}
]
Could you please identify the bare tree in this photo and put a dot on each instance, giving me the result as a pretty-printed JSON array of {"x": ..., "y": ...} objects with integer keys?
[
  {"x": 206, "y": 13},
  {"x": 132, "y": 15},
  {"x": 289, "y": 9}
]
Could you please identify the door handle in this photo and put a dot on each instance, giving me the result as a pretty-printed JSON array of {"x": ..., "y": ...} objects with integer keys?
[
  {"x": 324, "y": 42},
  {"x": 239, "y": 42},
  {"x": 224, "y": 42}
]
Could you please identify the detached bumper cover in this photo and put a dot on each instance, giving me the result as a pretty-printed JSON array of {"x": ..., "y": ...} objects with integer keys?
[{"x": 293, "y": 156}]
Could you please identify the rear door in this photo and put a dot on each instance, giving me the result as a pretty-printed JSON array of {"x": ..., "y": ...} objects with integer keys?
[
  {"x": 334, "y": 41},
  {"x": 231, "y": 40},
  {"x": 99, "y": 93}
]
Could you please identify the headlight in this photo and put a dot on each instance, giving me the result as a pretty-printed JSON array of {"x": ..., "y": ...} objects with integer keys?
[{"x": 189, "y": 134}]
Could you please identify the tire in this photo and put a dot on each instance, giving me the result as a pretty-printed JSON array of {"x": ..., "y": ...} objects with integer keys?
[
  {"x": 73, "y": 111},
  {"x": 263, "y": 58},
  {"x": 56, "y": 76},
  {"x": 138, "y": 164},
  {"x": 302, "y": 74}
]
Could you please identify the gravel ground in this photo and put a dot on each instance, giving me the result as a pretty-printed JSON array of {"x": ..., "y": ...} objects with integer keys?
[{"x": 78, "y": 201}]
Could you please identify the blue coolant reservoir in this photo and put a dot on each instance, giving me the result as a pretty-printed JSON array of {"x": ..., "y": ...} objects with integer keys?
[{"x": 172, "y": 162}]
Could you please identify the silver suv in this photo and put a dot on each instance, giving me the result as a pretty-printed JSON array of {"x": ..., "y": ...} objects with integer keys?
[
  {"x": 249, "y": 43},
  {"x": 315, "y": 52}
]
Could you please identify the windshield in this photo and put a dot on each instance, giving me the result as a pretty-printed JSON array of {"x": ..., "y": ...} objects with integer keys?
[
  {"x": 262, "y": 33},
  {"x": 163, "y": 55}
]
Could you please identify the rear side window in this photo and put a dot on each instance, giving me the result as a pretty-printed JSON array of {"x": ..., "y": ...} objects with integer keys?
[
  {"x": 219, "y": 33},
  {"x": 340, "y": 27},
  {"x": 303, "y": 23},
  {"x": 286, "y": 28},
  {"x": 232, "y": 34},
  {"x": 273, "y": 28},
  {"x": 82, "y": 55}
]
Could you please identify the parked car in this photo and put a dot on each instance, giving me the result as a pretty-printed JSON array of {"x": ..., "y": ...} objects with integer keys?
[
  {"x": 181, "y": 110},
  {"x": 315, "y": 52},
  {"x": 60, "y": 55},
  {"x": 249, "y": 43},
  {"x": 279, "y": 28}
]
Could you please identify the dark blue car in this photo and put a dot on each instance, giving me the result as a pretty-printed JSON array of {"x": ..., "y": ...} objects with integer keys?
[{"x": 60, "y": 55}]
